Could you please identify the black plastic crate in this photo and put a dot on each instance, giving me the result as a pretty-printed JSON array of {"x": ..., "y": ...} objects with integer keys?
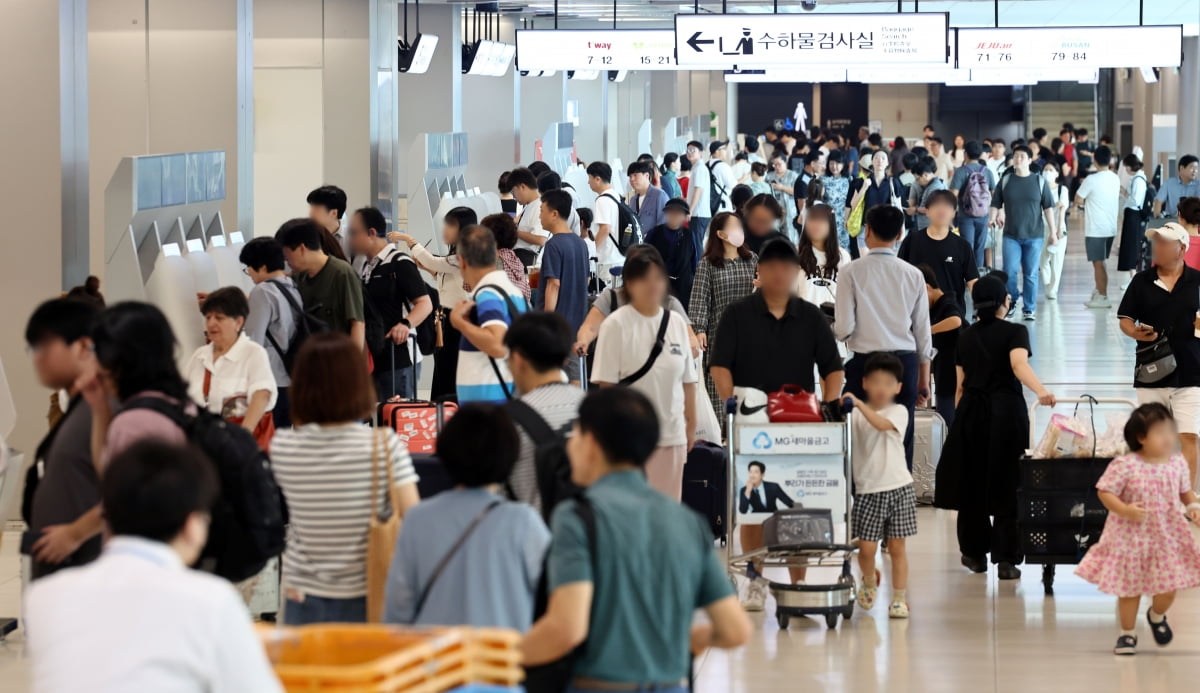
[
  {"x": 1059, "y": 540},
  {"x": 1060, "y": 508},
  {"x": 1062, "y": 474}
]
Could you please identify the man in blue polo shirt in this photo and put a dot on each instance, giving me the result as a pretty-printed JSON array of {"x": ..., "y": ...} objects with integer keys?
[
  {"x": 648, "y": 549},
  {"x": 1187, "y": 184}
]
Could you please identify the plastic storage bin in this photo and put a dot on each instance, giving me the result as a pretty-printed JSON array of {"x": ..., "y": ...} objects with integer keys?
[{"x": 349, "y": 658}]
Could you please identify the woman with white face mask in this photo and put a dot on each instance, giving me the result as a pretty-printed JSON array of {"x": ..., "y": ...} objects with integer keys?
[
  {"x": 725, "y": 275},
  {"x": 1054, "y": 253}
]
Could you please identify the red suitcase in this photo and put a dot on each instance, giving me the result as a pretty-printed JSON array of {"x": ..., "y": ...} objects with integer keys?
[{"x": 418, "y": 423}]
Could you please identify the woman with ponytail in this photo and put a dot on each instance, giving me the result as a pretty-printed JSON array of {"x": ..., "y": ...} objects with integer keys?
[{"x": 977, "y": 474}]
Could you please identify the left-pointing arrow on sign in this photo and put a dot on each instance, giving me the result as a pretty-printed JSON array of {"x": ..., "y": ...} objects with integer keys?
[{"x": 695, "y": 42}]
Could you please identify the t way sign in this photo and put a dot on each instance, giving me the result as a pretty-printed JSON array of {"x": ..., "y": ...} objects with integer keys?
[{"x": 755, "y": 41}]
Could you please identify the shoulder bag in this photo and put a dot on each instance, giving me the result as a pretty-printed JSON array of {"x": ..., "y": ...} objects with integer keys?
[
  {"x": 1155, "y": 362},
  {"x": 441, "y": 566},
  {"x": 655, "y": 351},
  {"x": 382, "y": 532}
]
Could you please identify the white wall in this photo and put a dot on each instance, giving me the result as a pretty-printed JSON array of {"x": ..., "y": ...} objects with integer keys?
[
  {"x": 902, "y": 108},
  {"x": 311, "y": 98},
  {"x": 542, "y": 100},
  {"x": 29, "y": 141},
  {"x": 162, "y": 78}
]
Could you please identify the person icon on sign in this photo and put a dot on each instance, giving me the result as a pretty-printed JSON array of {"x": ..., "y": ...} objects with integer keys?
[{"x": 745, "y": 45}]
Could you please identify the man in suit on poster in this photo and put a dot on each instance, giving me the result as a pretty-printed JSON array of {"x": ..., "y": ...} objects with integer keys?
[{"x": 760, "y": 496}]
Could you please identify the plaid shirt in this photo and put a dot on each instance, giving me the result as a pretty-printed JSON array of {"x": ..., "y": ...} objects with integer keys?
[{"x": 716, "y": 288}]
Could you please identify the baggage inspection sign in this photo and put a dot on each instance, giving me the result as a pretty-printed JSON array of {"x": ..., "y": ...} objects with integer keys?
[{"x": 756, "y": 41}]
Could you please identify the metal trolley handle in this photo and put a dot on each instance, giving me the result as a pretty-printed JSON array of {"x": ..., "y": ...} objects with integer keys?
[{"x": 1132, "y": 404}]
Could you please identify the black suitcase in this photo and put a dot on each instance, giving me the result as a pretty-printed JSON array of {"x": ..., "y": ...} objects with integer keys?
[
  {"x": 433, "y": 477},
  {"x": 706, "y": 486}
]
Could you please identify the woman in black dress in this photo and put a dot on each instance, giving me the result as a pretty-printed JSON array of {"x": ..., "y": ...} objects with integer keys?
[{"x": 977, "y": 475}]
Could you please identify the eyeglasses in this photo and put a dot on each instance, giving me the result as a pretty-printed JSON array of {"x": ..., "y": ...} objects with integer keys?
[{"x": 246, "y": 271}]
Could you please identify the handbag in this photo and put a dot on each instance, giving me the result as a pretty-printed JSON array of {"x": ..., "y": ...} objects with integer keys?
[
  {"x": 1155, "y": 362},
  {"x": 233, "y": 410},
  {"x": 382, "y": 532},
  {"x": 858, "y": 209},
  {"x": 792, "y": 404}
]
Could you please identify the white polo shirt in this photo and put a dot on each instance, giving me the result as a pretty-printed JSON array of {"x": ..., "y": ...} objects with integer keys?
[
  {"x": 1102, "y": 203},
  {"x": 137, "y": 619},
  {"x": 240, "y": 372}
]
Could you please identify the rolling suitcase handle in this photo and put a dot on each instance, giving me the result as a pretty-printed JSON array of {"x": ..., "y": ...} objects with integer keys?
[
  {"x": 414, "y": 372},
  {"x": 583, "y": 374}
]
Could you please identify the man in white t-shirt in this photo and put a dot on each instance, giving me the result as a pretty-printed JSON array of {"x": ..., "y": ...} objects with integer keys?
[
  {"x": 530, "y": 234},
  {"x": 1100, "y": 197},
  {"x": 699, "y": 188},
  {"x": 606, "y": 217},
  {"x": 723, "y": 179}
]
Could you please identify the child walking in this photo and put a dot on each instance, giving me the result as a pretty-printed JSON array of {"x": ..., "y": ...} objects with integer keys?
[
  {"x": 1146, "y": 547},
  {"x": 885, "y": 506}
]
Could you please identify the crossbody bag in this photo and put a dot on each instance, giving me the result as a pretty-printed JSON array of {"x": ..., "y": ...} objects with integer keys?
[
  {"x": 441, "y": 566},
  {"x": 655, "y": 351}
]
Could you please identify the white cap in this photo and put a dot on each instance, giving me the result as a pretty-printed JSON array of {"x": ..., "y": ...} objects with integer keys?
[{"x": 1173, "y": 231}]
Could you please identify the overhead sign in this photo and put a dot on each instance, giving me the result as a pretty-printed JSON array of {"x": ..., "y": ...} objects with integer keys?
[
  {"x": 750, "y": 41},
  {"x": 1094, "y": 47},
  {"x": 585, "y": 49}
]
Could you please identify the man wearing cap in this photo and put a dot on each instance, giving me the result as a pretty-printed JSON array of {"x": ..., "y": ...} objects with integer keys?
[
  {"x": 882, "y": 305},
  {"x": 723, "y": 179},
  {"x": 1164, "y": 301},
  {"x": 678, "y": 248},
  {"x": 770, "y": 339}
]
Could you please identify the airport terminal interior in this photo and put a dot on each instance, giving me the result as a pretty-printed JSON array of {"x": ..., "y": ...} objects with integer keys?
[{"x": 156, "y": 150}]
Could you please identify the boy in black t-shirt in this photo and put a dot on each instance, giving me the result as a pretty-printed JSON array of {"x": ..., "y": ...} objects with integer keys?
[
  {"x": 945, "y": 320},
  {"x": 949, "y": 256}
]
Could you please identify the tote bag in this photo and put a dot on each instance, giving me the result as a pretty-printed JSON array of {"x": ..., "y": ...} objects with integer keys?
[{"x": 382, "y": 531}]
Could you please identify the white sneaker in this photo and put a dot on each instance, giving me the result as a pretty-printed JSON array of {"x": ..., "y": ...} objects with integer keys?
[
  {"x": 756, "y": 595},
  {"x": 1098, "y": 301},
  {"x": 1125, "y": 284}
]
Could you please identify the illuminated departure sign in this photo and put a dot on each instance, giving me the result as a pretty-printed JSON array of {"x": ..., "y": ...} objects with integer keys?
[
  {"x": 585, "y": 49},
  {"x": 752, "y": 41},
  {"x": 1092, "y": 47}
]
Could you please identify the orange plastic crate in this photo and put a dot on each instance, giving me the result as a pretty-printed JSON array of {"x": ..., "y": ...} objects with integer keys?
[{"x": 345, "y": 658}]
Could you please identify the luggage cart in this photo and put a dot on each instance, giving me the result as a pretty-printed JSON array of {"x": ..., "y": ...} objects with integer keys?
[
  {"x": 802, "y": 536},
  {"x": 1059, "y": 514}
]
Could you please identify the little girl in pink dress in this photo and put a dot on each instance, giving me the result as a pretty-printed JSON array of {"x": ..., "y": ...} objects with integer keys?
[{"x": 1147, "y": 547}]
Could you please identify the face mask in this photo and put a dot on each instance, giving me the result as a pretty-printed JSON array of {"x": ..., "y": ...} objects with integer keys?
[{"x": 735, "y": 238}]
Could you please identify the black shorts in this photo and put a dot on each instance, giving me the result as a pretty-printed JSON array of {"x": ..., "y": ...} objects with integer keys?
[{"x": 1098, "y": 249}]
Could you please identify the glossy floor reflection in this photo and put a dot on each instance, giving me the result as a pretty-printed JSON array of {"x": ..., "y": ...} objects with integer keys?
[{"x": 974, "y": 632}]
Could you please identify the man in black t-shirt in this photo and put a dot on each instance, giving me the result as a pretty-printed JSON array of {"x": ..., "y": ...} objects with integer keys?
[
  {"x": 396, "y": 301},
  {"x": 1165, "y": 301},
  {"x": 949, "y": 256},
  {"x": 945, "y": 321}
]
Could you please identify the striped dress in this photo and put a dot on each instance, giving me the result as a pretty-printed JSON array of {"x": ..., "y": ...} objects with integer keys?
[{"x": 325, "y": 474}]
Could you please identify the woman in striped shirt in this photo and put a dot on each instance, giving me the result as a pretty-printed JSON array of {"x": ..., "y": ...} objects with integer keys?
[{"x": 324, "y": 467}]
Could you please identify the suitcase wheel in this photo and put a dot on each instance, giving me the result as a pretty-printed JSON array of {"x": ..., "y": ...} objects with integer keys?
[{"x": 783, "y": 619}]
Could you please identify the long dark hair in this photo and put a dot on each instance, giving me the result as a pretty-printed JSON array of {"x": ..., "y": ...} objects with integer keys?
[
  {"x": 714, "y": 248},
  {"x": 808, "y": 259},
  {"x": 134, "y": 343}
]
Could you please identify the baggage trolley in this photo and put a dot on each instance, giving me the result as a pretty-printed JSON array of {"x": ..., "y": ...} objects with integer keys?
[
  {"x": 1059, "y": 514},
  {"x": 802, "y": 536}
]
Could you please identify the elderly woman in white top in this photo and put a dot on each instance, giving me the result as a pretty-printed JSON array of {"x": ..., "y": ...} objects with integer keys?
[
  {"x": 231, "y": 375},
  {"x": 448, "y": 275}
]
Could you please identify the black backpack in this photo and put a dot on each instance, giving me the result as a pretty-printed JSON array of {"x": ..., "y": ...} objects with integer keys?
[
  {"x": 427, "y": 330},
  {"x": 549, "y": 457},
  {"x": 717, "y": 194},
  {"x": 626, "y": 219},
  {"x": 249, "y": 516},
  {"x": 1147, "y": 211},
  {"x": 306, "y": 324}
]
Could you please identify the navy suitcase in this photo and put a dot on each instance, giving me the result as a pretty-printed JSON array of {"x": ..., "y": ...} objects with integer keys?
[
  {"x": 433, "y": 478},
  {"x": 706, "y": 486}
]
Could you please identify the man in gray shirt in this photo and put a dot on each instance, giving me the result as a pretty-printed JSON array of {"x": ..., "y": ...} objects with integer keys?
[
  {"x": 272, "y": 320},
  {"x": 1024, "y": 206},
  {"x": 882, "y": 305}
]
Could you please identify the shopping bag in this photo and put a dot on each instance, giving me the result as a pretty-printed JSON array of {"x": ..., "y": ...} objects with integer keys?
[
  {"x": 382, "y": 531},
  {"x": 858, "y": 210},
  {"x": 792, "y": 404}
]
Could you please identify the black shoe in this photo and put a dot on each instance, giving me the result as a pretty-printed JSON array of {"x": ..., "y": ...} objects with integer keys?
[
  {"x": 1161, "y": 631},
  {"x": 975, "y": 565},
  {"x": 1008, "y": 571},
  {"x": 1126, "y": 645}
]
